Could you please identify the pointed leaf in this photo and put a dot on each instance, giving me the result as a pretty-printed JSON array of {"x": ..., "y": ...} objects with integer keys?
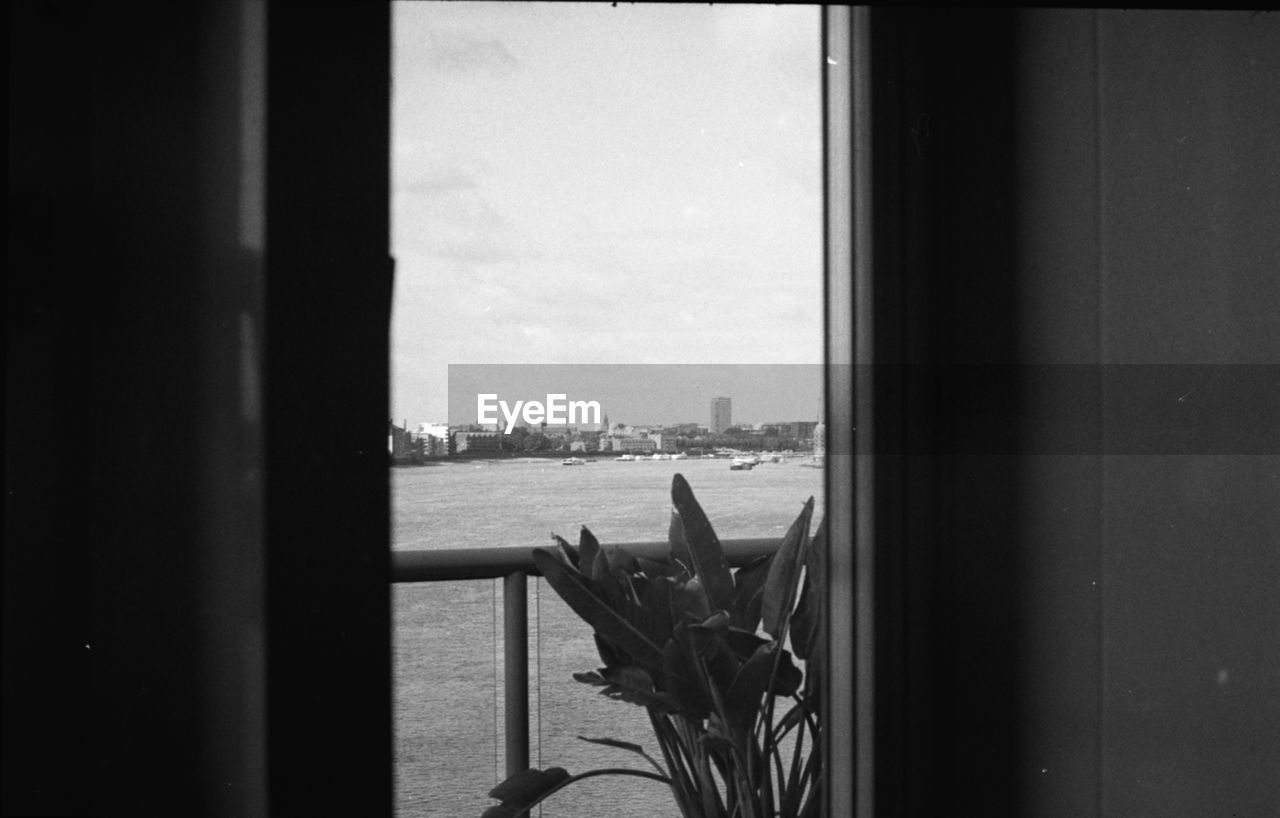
[
  {"x": 718, "y": 662},
  {"x": 655, "y": 610},
  {"x": 677, "y": 665},
  {"x": 613, "y": 742},
  {"x": 654, "y": 569},
  {"x": 742, "y": 643},
  {"x": 752, "y": 680},
  {"x": 748, "y": 584},
  {"x": 703, "y": 545},
  {"x": 621, "y": 560},
  {"x": 804, "y": 620},
  {"x": 609, "y": 623},
  {"x": 789, "y": 677},
  {"x": 718, "y": 621},
  {"x": 689, "y": 602},
  {"x": 569, "y": 550},
  {"x": 588, "y": 548},
  {"x": 679, "y": 548},
  {"x": 610, "y": 655},
  {"x": 780, "y": 587},
  {"x": 628, "y": 684},
  {"x": 528, "y": 786},
  {"x": 807, "y": 623}
]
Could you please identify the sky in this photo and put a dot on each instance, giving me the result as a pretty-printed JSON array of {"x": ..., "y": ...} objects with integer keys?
[{"x": 582, "y": 183}]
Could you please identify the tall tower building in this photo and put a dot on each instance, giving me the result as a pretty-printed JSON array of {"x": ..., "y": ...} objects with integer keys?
[{"x": 721, "y": 415}]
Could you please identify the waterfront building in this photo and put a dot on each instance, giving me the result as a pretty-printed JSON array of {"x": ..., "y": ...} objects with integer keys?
[
  {"x": 663, "y": 442},
  {"x": 721, "y": 415},
  {"x": 635, "y": 445},
  {"x": 478, "y": 442}
]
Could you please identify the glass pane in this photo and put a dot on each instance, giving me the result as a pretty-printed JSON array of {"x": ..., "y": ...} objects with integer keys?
[{"x": 579, "y": 184}]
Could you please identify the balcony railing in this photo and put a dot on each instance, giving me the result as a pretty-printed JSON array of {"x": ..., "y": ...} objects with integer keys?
[{"x": 514, "y": 566}]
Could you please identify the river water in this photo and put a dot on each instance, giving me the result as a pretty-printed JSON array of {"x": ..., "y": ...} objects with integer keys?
[{"x": 448, "y": 635}]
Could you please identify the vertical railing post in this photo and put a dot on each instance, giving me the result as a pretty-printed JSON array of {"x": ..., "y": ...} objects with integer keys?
[{"x": 515, "y": 651}]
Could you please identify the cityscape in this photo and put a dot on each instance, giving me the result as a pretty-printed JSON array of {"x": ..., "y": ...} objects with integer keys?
[{"x": 719, "y": 436}]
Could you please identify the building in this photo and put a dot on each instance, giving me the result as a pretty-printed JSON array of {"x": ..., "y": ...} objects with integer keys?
[
  {"x": 400, "y": 443},
  {"x": 663, "y": 442},
  {"x": 635, "y": 445},
  {"x": 721, "y": 415},
  {"x": 433, "y": 439},
  {"x": 478, "y": 442}
]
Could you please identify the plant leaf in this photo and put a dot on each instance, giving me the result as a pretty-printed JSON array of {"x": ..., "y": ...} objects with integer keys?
[
  {"x": 741, "y": 642},
  {"x": 611, "y": 656},
  {"x": 718, "y": 661},
  {"x": 779, "y": 587},
  {"x": 528, "y": 787},
  {"x": 689, "y": 602},
  {"x": 609, "y": 623},
  {"x": 654, "y": 569},
  {"x": 751, "y": 680},
  {"x": 628, "y": 684},
  {"x": 789, "y": 677},
  {"x": 748, "y": 584},
  {"x": 677, "y": 661},
  {"x": 804, "y": 621},
  {"x": 703, "y": 546},
  {"x": 620, "y": 559},
  {"x": 655, "y": 610},
  {"x": 588, "y": 548},
  {"x": 807, "y": 623},
  {"x": 613, "y": 742},
  {"x": 569, "y": 550}
]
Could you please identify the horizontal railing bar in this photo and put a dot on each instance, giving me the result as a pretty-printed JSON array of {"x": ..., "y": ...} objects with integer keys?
[{"x": 450, "y": 564}]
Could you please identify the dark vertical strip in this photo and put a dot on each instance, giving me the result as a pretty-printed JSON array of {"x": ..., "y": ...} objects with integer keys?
[
  {"x": 49, "y": 306},
  {"x": 881, "y": 321},
  {"x": 842, "y": 727},
  {"x": 327, "y": 314},
  {"x": 1100, "y": 465},
  {"x": 515, "y": 668},
  {"x": 943, "y": 300}
]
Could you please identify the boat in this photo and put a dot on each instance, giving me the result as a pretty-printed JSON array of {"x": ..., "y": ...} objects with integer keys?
[
  {"x": 679, "y": 456},
  {"x": 573, "y": 461},
  {"x": 626, "y": 458},
  {"x": 742, "y": 464}
]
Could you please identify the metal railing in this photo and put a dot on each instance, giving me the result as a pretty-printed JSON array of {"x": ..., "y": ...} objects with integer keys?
[{"x": 514, "y": 566}]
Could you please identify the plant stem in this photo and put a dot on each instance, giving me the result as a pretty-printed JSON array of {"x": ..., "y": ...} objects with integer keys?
[{"x": 592, "y": 773}]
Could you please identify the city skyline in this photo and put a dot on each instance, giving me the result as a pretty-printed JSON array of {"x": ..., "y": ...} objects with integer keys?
[{"x": 647, "y": 394}]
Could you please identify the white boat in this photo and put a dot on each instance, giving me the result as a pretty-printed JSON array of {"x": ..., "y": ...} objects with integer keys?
[
  {"x": 679, "y": 456},
  {"x": 626, "y": 458},
  {"x": 743, "y": 464},
  {"x": 573, "y": 461}
]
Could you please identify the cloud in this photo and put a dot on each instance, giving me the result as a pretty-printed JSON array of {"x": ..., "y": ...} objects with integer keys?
[
  {"x": 467, "y": 228},
  {"x": 442, "y": 178},
  {"x": 460, "y": 54}
]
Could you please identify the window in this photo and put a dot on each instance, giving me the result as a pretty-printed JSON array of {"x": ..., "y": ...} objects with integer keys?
[{"x": 619, "y": 194}]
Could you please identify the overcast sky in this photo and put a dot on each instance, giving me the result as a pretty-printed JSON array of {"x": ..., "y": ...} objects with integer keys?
[{"x": 578, "y": 183}]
